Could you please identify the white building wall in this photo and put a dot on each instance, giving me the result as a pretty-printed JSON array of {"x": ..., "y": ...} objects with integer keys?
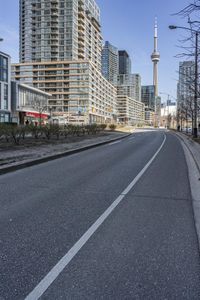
[{"x": 5, "y": 87}]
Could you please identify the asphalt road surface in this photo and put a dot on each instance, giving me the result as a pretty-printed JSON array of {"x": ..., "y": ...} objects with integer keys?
[{"x": 143, "y": 246}]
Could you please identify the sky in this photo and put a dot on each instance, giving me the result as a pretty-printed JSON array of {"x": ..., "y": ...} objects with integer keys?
[{"x": 128, "y": 25}]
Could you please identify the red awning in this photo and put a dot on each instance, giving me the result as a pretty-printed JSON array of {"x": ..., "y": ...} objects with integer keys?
[{"x": 36, "y": 115}]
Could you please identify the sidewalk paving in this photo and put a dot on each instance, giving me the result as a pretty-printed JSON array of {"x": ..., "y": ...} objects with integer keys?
[
  {"x": 19, "y": 157},
  {"x": 193, "y": 146}
]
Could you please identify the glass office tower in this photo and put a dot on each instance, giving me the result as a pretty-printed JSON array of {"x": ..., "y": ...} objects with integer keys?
[
  {"x": 124, "y": 62},
  {"x": 148, "y": 96},
  {"x": 110, "y": 63}
]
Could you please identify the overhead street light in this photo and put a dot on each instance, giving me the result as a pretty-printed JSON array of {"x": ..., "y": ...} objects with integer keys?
[
  {"x": 195, "y": 130},
  {"x": 172, "y": 27},
  {"x": 1, "y": 40}
]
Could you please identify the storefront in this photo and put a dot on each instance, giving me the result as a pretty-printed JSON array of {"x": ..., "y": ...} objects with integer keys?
[
  {"x": 30, "y": 103},
  {"x": 34, "y": 118}
]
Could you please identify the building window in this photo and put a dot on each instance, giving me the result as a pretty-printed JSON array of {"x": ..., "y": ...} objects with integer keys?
[{"x": 5, "y": 96}]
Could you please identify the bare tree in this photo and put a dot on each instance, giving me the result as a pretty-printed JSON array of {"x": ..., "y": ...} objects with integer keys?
[{"x": 192, "y": 15}]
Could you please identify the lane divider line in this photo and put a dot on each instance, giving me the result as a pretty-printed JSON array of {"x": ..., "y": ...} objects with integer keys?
[{"x": 46, "y": 282}]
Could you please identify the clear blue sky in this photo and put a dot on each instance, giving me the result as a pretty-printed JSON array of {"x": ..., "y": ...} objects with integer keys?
[{"x": 127, "y": 24}]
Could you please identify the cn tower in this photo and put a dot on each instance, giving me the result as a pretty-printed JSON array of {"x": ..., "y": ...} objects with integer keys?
[{"x": 155, "y": 57}]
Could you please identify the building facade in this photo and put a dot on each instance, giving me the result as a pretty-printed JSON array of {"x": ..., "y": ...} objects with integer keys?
[
  {"x": 128, "y": 84},
  {"x": 58, "y": 30},
  {"x": 125, "y": 85},
  {"x": 130, "y": 111},
  {"x": 137, "y": 86},
  {"x": 5, "y": 88},
  {"x": 29, "y": 104},
  {"x": 148, "y": 96},
  {"x": 185, "y": 91},
  {"x": 79, "y": 91},
  {"x": 149, "y": 116},
  {"x": 124, "y": 62},
  {"x": 110, "y": 63},
  {"x": 60, "y": 53}
]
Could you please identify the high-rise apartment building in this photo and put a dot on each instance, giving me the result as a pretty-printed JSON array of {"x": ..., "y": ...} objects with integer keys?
[
  {"x": 124, "y": 62},
  {"x": 60, "y": 53},
  {"x": 129, "y": 105},
  {"x": 57, "y": 30},
  {"x": 110, "y": 63},
  {"x": 130, "y": 111},
  {"x": 137, "y": 86},
  {"x": 185, "y": 91},
  {"x": 125, "y": 85},
  {"x": 129, "y": 85}
]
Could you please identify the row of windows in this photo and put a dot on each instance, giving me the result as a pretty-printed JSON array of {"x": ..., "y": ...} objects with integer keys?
[
  {"x": 4, "y": 117},
  {"x": 3, "y": 68},
  {"x": 4, "y": 96}
]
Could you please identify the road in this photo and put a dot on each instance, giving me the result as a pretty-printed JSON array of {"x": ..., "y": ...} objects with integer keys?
[{"x": 144, "y": 245}]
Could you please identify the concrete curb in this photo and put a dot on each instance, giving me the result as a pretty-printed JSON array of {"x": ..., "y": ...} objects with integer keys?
[
  {"x": 56, "y": 156},
  {"x": 179, "y": 135},
  {"x": 194, "y": 179},
  {"x": 193, "y": 175}
]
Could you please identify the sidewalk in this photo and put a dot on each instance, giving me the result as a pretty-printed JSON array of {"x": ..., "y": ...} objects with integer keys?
[
  {"x": 192, "y": 155},
  {"x": 11, "y": 160},
  {"x": 193, "y": 146}
]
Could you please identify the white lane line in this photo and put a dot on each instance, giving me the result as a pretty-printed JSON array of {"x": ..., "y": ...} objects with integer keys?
[
  {"x": 131, "y": 138},
  {"x": 45, "y": 283},
  {"x": 113, "y": 143}
]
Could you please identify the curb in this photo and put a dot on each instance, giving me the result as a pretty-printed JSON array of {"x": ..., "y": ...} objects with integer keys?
[
  {"x": 180, "y": 137},
  {"x": 56, "y": 156},
  {"x": 194, "y": 177}
]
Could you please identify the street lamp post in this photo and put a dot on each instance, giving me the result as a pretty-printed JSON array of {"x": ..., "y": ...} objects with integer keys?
[
  {"x": 172, "y": 27},
  {"x": 196, "y": 86}
]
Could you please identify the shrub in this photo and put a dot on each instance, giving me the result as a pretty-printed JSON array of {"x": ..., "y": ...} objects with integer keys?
[
  {"x": 15, "y": 132},
  {"x": 47, "y": 130},
  {"x": 102, "y": 127},
  {"x": 36, "y": 131},
  {"x": 112, "y": 127}
]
